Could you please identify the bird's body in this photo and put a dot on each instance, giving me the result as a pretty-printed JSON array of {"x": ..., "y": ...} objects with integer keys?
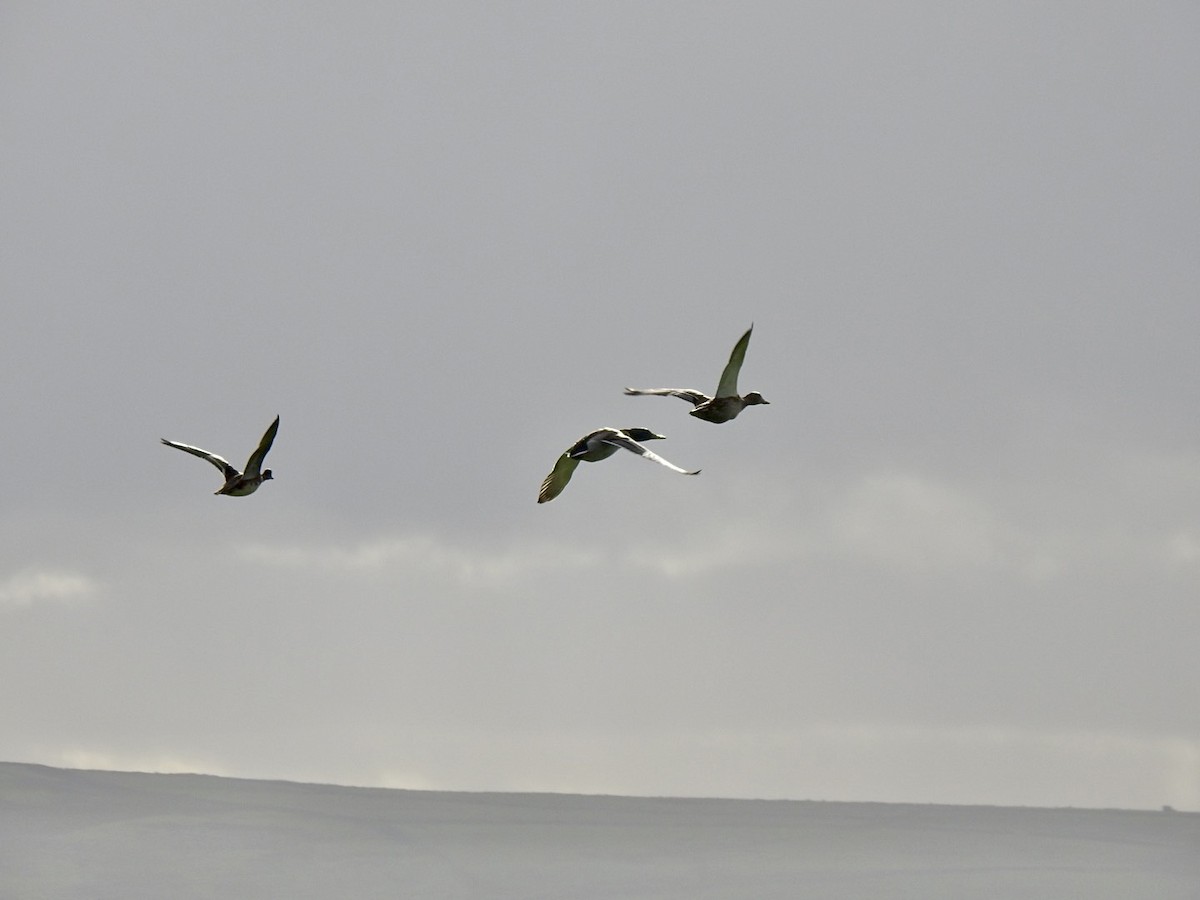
[
  {"x": 237, "y": 484},
  {"x": 726, "y": 403},
  {"x": 595, "y": 446}
]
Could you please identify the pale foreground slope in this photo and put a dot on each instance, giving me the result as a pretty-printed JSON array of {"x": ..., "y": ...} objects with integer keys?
[{"x": 76, "y": 834}]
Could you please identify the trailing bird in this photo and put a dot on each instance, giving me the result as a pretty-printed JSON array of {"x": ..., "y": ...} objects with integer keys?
[
  {"x": 726, "y": 404},
  {"x": 238, "y": 484},
  {"x": 601, "y": 444}
]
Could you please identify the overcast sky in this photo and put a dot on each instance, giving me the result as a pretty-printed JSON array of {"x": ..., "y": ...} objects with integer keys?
[{"x": 957, "y": 559}]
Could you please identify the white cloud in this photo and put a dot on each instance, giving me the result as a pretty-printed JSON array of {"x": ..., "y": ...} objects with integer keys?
[
  {"x": 919, "y": 524},
  {"x": 897, "y": 520},
  {"x": 743, "y": 544},
  {"x": 80, "y": 758},
  {"x": 430, "y": 555},
  {"x": 42, "y": 585},
  {"x": 1182, "y": 548}
]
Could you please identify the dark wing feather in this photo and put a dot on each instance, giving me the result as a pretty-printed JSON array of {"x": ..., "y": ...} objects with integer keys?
[
  {"x": 728, "y": 384},
  {"x": 254, "y": 463}
]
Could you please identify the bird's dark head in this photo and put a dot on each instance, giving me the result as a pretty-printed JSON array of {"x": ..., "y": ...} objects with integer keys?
[
  {"x": 754, "y": 398},
  {"x": 266, "y": 475},
  {"x": 644, "y": 434}
]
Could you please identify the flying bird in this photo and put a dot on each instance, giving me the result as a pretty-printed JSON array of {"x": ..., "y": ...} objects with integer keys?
[
  {"x": 601, "y": 444},
  {"x": 726, "y": 404},
  {"x": 238, "y": 484}
]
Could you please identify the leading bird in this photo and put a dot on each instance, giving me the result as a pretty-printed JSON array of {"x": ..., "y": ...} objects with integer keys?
[
  {"x": 726, "y": 404},
  {"x": 238, "y": 484}
]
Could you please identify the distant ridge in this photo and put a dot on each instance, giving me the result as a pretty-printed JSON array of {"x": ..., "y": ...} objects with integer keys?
[
  {"x": 68, "y": 833},
  {"x": 66, "y": 770}
]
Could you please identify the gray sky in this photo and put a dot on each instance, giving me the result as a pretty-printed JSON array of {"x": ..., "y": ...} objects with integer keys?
[{"x": 955, "y": 560}]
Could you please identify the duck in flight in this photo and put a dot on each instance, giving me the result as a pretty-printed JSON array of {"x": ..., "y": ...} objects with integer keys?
[
  {"x": 598, "y": 445},
  {"x": 238, "y": 484},
  {"x": 726, "y": 404}
]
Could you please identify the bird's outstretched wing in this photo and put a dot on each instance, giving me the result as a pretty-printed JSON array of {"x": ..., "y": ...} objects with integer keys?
[
  {"x": 693, "y": 397},
  {"x": 624, "y": 441},
  {"x": 254, "y": 463},
  {"x": 226, "y": 469},
  {"x": 728, "y": 384},
  {"x": 557, "y": 479}
]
